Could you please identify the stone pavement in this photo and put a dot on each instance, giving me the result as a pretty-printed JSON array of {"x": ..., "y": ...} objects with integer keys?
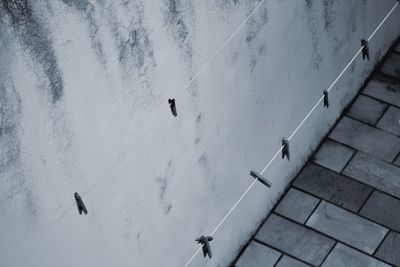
[{"x": 343, "y": 209}]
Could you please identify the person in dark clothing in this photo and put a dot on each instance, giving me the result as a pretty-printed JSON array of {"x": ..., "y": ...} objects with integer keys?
[
  {"x": 172, "y": 105},
  {"x": 79, "y": 204}
]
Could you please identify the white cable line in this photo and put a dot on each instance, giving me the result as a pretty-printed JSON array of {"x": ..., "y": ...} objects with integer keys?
[
  {"x": 96, "y": 182},
  {"x": 191, "y": 258},
  {"x": 383, "y": 21},
  {"x": 305, "y": 118},
  {"x": 234, "y": 206},
  {"x": 292, "y": 135},
  {"x": 222, "y": 46},
  {"x": 189, "y": 83}
]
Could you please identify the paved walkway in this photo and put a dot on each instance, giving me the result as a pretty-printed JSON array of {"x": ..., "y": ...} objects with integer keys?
[{"x": 343, "y": 209}]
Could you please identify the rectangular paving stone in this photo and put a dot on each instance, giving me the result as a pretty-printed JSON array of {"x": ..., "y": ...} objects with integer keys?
[
  {"x": 366, "y": 139},
  {"x": 390, "y": 121},
  {"x": 391, "y": 66},
  {"x": 374, "y": 172},
  {"x": 297, "y": 205},
  {"x": 347, "y": 227},
  {"x": 287, "y": 261},
  {"x": 367, "y": 109},
  {"x": 389, "y": 251},
  {"x": 332, "y": 187},
  {"x": 342, "y": 256},
  {"x": 383, "y": 209},
  {"x": 257, "y": 255},
  {"x": 333, "y": 155},
  {"x": 295, "y": 239},
  {"x": 384, "y": 88}
]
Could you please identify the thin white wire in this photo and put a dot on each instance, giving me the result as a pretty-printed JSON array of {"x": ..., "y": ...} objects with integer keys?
[
  {"x": 96, "y": 182},
  {"x": 187, "y": 86},
  {"x": 293, "y": 134},
  {"x": 223, "y": 45},
  {"x": 383, "y": 21}
]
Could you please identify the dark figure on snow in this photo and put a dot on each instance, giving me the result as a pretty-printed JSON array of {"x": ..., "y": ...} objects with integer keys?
[
  {"x": 172, "y": 105},
  {"x": 79, "y": 204}
]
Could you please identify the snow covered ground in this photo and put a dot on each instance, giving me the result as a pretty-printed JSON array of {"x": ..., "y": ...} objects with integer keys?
[{"x": 84, "y": 82}]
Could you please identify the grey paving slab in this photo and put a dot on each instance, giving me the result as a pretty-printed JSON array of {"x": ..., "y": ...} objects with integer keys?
[
  {"x": 366, "y": 139},
  {"x": 333, "y": 155},
  {"x": 287, "y": 261},
  {"x": 391, "y": 65},
  {"x": 397, "y": 161},
  {"x": 384, "y": 88},
  {"x": 383, "y": 209},
  {"x": 257, "y": 255},
  {"x": 297, "y": 205},
  {"x": 367, "y": 109},
  {"x": 333, "y": 187},
  {"x": 344, "y": 256},
  {"x": 390, "y": 121},
  {"x": 389, "y": 251},
  {"x": 347, "y": 227},
  {"x": 374, "y": 172},
  {"x": 295, "y": 239}
]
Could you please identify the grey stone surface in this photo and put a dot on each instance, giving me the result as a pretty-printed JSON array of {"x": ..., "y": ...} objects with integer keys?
[
  {"x": 333, "y": 155},
  {"x": 390, "y": 121},
  {"x": 367, "y": 109},
  {"x": 287, "y": 261},
  {"x": 295, "y": 240},
  {"x": 384, "y": 88},
  {"x": 374, "y": 172},
  {"x": 344, "y": 256},
  {"x": 297, "y": 205},
  {"x": 347, "y": 227},
  {"x": 333, "y": 187},
  {"x": 397, "y": 161},
  {"x": 383, "y": 209},
  {"x": 392, "y": 65},
  {"x": 367, "y": 139},
  {"x": 389, "y": 251},
  {"x": 257, "y": 255}
]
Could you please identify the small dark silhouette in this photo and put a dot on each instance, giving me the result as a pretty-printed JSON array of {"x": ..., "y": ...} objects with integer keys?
[
  {"x": 260, "y": 178},
  {"x": 326, "y": 99},
  {"x": 204, "y": 240},
  {"x": 285, "y": 149},
  {"x": 365, "y": 49},
  {"x": 79, "y": 204},
  {"x": 172, "y": 105}
]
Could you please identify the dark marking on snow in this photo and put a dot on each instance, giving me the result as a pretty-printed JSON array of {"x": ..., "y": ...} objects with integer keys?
[
  {"x": 177, "y": 20},
  {"x": 227, "y": 5},
  {"x": 164, "y": 178},
  {"x": 309, "y": 3},
  {"x": 13, "y": 183},
  {"x": 86, "y": 8},
  {"x": 168, "y": 209},
  {"x": 34, "y": 38},
  {"x": 254, "y": 38},
  {"x": 329, "y": 14},
  {"x": 207, "y": 171},
  {"x": 313, "y": 25},
  {"x": 133, "y": 41}
]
